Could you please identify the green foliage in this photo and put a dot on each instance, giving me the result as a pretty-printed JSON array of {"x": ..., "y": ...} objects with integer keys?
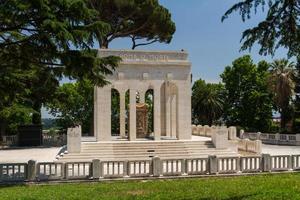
[
  {"x": 149, "y": 101},
  {"x": 207, "y": 102},
  {"x": 248, "y": 101},
  {"x": 259, "y": 187},
  {"x": 40, "y": 42},
  {"x": 13, "y": 116},
  {"x": 282, "y": 86},
  {"x": 40, "y": 33},
  {"x": 115, "y": 112},
  {"x": 144, "y": 21},
  {"x": 73, "y": 105},
  {"x": 280, "y": 28},
  {"x": 49, "y": 123}
]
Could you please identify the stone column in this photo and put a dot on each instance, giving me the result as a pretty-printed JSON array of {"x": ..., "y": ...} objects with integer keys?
[
  {"x": 184, "y": 111},
  {"x": 103, "y": 114},
  {"x": 132, "y": 114},
  {"x": 122, "y": 114},
  {"x": 142, "y": 96},
  {"x": 168, "y": 108},
  {"x": 157, "y": 114}
]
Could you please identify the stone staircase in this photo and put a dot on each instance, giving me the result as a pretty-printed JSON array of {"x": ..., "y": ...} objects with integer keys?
[{"x": 142, "y": 150}]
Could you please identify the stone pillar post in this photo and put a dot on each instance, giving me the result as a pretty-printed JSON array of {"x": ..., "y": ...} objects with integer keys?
[
  {"x": 31, "y": 170},
  {"x": 156, "y": 166},
  {"x": 258, "y": 146},
  {"x": 122, "y": 114},
  {"x": 232, "y": 133},
  {"x": 213, "y": 164},
  {"x": 157, "y": 114},
  {"x": 96, "y": 169},
  {"x": 74, "y": 139},
  {"x": 242, "y": 133},
  {"x": 266, "y": 163},
  {"x": 132, "y": 115},
  {"x": 220, "y": 138}
]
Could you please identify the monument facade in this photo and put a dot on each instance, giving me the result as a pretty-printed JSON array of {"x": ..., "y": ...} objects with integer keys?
[{"x": 167, "y": 74}]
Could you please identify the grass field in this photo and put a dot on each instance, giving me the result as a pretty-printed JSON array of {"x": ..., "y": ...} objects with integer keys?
[{"x": 279, "y": 186}]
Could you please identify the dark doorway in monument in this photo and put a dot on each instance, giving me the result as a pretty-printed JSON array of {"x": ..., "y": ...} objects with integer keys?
[
  {"x": 126, "y": 113},
  {"x": 115, "y": 112},
  {"x": 149, "y": 102}
]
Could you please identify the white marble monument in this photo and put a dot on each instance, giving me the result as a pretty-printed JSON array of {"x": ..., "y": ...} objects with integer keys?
[{"x": 167, "y": 73}]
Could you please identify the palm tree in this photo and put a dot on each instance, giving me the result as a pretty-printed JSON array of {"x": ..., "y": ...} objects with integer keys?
[
  {"x": 282, "y": 84},
  {"x": 207, "y": 103}
]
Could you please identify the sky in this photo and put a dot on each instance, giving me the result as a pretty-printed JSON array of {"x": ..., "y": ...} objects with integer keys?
[{"x": 212, "y": 45}]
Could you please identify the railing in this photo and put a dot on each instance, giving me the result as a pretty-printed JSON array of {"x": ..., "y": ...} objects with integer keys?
[
  {"x": 250, "y": 146},
  {"x": 156, "y": 167},
  {"x": 10, "y": 140},
  {"x": 48, "y": 140},
  {"x": 228, "y": 165},
  {"x": 50, "y": 171},
  {"x": 271, "y": 138},
  {"x": 197, "y": 166},
  {"x": 250, "y": 164},
  {"x": 54, "y": 140},
  {"x": 78, "y": 170},
  {"x": 209, "y": 131},
  {"x": 13, "y": 172},
  {"x": 113, "y": 169},
  {"x": 171, "y": 167},
  {"x": 139, "y": 168}
]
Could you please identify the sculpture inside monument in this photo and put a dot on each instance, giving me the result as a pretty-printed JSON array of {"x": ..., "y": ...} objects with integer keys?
[{"x": 141, "y": 120}]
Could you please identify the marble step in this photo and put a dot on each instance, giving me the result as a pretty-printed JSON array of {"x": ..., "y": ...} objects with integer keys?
[
  {"x": 221, "y": 151},
  {"x": 116, "y": 158}
]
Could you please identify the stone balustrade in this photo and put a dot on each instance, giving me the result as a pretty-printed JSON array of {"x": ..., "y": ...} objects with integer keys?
[
  {"x": 250, "y": 146},
  {"x": 208, "y": 131},
  {"x": 10, "y": 140},
  {"x": 48, "y": 140},
  {"x": 228, "y": 139},
  {"x": 155, "y": 167},
  {"x": 271, "y": 138}
]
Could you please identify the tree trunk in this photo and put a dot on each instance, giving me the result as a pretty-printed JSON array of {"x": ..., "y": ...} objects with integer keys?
[
  {"x": 37, "y": 116},
  {"x": 2, "y": 129},
  {"x": 103, "y": 43}
]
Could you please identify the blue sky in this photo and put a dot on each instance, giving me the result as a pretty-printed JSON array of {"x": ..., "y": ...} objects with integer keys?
[{"x": 211, "y": 44}]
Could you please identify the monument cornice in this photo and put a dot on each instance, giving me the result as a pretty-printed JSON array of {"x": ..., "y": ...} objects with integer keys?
[{"x": 137, "y": 57}]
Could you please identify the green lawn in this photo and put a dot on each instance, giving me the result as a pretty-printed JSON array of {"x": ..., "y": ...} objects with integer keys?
[{"x": 283, "y": 186}]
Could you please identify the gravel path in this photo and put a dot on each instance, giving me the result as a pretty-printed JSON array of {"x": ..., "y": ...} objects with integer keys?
[
  {"x": 280, "y": 150},
  {"x": 23, "y": 155},
  {"x": 49, "y": 154}
]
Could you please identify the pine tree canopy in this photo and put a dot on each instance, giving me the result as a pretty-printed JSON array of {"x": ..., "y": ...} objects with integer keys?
[
  {"x": 144, "y": 21},
  {"x": 56, "y": 35}
]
